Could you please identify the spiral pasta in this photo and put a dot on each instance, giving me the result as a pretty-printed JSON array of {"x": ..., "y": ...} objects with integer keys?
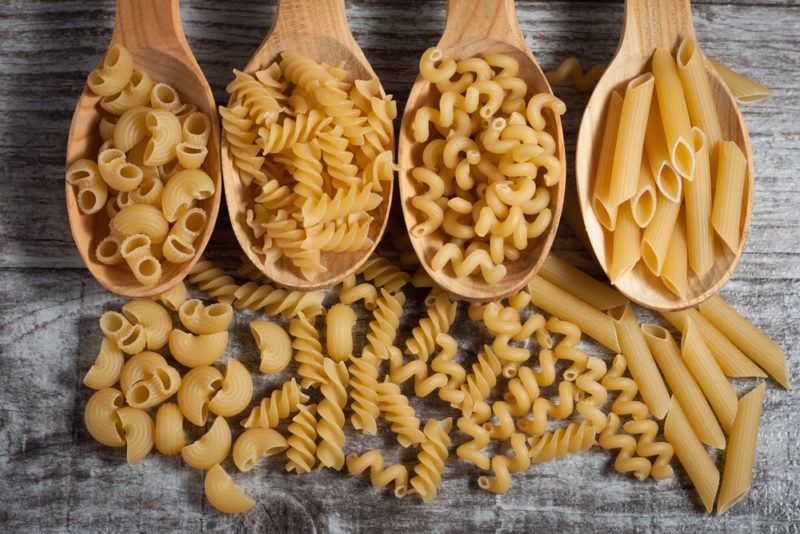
[
  {"x": 503, "y": 465},
  {"x": 307, "y": 351},
  {"x": 440, "y": 316},
  {"x": 430, "y": 460},
  {"x": 402, "y": 417},
  {"x": 471, "y": 451},
  {"x": 626, "y": 460},
  {"x": 383, "y": 274},
  {"x": 575, "y": 437},
  {"x": 647, "y": 446},
  {"x": 330, "y": 414},
  {"x": 276, "y": 301},
  {"x": 624, "y": 404},
  {"x": 280, "y": 403},
  {"x": 379, "y": 474},
  {"x": 302, "y": 440}
]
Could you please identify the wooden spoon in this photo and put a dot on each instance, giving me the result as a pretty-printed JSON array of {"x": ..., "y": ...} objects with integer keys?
[
  {"x": 319, "y": 30},
  {"x": 650, "y": 24},
  {"x": 151, "y": 31},
  {"x": 476, "y": 28}
]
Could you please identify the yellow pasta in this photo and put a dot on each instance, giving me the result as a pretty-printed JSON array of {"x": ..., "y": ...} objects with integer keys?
[
  {"x": 709, "y": 376},
  {"x": 658, "y": 234},
  {"x": 626, "y": 249},
  {"x": 380, "y": 475},
  {"x": 211, "y": 448},
  {"x": 202, "y": 320},
  {"x": 674, "y": 112},
  {"x": 340, "y": 321},
  {"x": 302, "y": 447},
  {"x": 643, "y": 203},
  {"x": 197, "y": 388},
  {"x": 581, "y": 285},
  {"x": 235, "y": 392},
  {"x": 330, "y": 422},
  {"x": 692, "y": 455},
  {"x": 138, "y": 429},
  {"x": 658, "y": 157},
  {"x": 699, "y": 231},
  {"x": 604, "y": 209},
  {"x": 726, "y": 213},
  {"x": 683, "y": 386},
  {"x": 169, "y": 437},
  {"x": 674, "y": 273},
  {"x": 277, "y": 406},
  {"x": 173, "y": 297},
  {"x": 154, "y": 319},
  {"x": 113, "y": 73},
  {"x": 696, "y": 87},
  {"x": 254, "y": 444},
  {"x": 183, "y": 189},
  {"x": 630, "y": 139},
  {"x": 740, "y": 457},
  {"x": 744, "y": 89},
  {"x": 197, "y": 350},
  {"x": 568, "y": 440},
  {"x": 106, "y": 368},
  {"x": 224, "y": 494},
  {"x": 100, "y": 417},
  {"x": 274, "y": 344},
  {"x": 503, "y": 465},
  {"x": 431, "y": 458},
  {"x": 640, "y": 360},
  {"x": 757, "y": 346}
]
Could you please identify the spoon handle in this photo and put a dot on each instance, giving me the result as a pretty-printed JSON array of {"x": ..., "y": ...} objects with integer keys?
[
  {"x": 149, "y": 23},
  {"x": 650, "y": 24},
  {"x": 474, "y": 20},
  {"x": 326, "y": 18}
]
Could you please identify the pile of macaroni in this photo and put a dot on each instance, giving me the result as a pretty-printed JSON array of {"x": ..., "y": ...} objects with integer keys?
[
  {"x": 488, "y": 163},
  {"x": 148, "y": 175},
  {"x": 315, "y": 150},
  {"x": 669, "y": 188}
]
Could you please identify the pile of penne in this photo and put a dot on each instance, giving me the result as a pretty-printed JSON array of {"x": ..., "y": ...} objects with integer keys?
[{"x": 669, "y": 188}]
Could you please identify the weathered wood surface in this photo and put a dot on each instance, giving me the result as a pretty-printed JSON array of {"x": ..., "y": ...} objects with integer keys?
[{"x": 53, "y": 476}]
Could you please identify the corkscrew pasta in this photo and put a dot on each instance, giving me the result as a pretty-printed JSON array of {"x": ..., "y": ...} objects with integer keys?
[{"x": 146, "y": 132}]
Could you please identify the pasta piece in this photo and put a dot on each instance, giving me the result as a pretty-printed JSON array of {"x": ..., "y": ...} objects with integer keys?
[
  {"x": 339, "y": 322},
  {"x": 626, "y": 460},
  {"x": 275, "y": 301},
  {"x": 92, "y": 189},
  {"x": 402, "y": 417},
  {"x": 330, "y": 415},
  {"x": 696, "y": 87},
  {"x": 154, "y": 319},
  {"x": 274, "y": 344},
  {"x": 726, "y": 214},
  {"x": 213, "y": 281},
  {"x": 135, "y": 93},
  {"x": 157, "y": 385},
  {"x": 471, "y": 451},
  {"x": 502, "y": 465},
  {"x": 211, "y": 448},
  {"x": 740, "y": 457},
  {"x": 709, "y": 376},
  {"x": 431, "y": 459},
  {"x": 479, "y": 384},
  {"x": 138, "y": 429},
  {"x": 440, "y": 317},
  {"x": 699, "y": 231},
  {"x": 254, "y": 444},
  {"x": 630, "y": 140},
  {"x": 308, "y": 351},
  {"x": 683, "y": 386},
  {"x": 165, "y": 134},
  {"x": 129, "y": 338},
  {"x": 731, "y": 360},
  {"x": 656, "y": 237},
  {"x": 674, "y": 112},
  {"x": 626, "y": 248},
  {"x": 379, "y": 475},
  {"x": 169, "y": 437},
  {"x": 646, "y": 446},
  {"x": 586, "y": 288},
  {"x": 640, "y": 360},
  {"x": 351, "y": 292},
  {"x": 235, "y": 392},
  {"x": 114, "y": 72},
  {"x": 658, "y": 157},
  {"x": 559, "y": 302},
  {"x": 281, "y": 402},
  {"x": 197, "y": 388},
  {"x": 692, "y": 455},
  {"x": 101, "y": 419},
  {"x": 570, "y": 69},
  {"x": 183, "y": 189},
  {"x": 363, "y": 385},
  {"x": 197, "y": 350},
  {"x": 302, "y": 440},
  {"x": 674, "y": 273},
  {"x": 205, "y": 320},
  {"x": 747, "y": 337},
  {"x": 643, "y": 203},
  {"x": 224, "y": 494},
  {"x": 604, "y": 209},
  {"x": 106, "y": 368},
  {"x": 141, "y": 219},
  {"x": 744, "y": 89},
  {"x": 164, "y": 97},
  {"x": 173, "y": 297},
  {"x": 131, "y": 128}
]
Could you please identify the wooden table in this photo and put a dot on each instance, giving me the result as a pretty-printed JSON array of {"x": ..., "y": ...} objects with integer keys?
[{"x": 53, "y": 476}]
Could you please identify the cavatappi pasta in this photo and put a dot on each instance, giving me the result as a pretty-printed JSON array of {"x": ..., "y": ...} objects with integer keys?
[
  {"x": 148, "y": 177},
  {"x": 488, "y": 163},
  {"x": 535, "y": 388},
  {"x": 662, "y": 140},
  {"x": 314, "y": 148}
]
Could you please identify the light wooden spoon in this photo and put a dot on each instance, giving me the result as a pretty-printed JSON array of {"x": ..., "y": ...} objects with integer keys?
[
  {"x": 650, "y": 24},
  {"x": 151, "y": 31},
  {"x": 476, "y": 28},
  {"x": 319, "y": 30}
]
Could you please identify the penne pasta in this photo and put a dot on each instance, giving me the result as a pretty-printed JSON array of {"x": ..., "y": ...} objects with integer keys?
[
  {"x": 630, "y": 139},
  {"x": 699, "y": 232},
  {"x": 674, "y": 112},
  {"x": 588, "y": 289},
  {"x": 674, "y": 273},
  {"x": 726, "y": 214},
  {"x": 740, "y": 457},
  {"x": 697, "y": 89},
  {"x": 606, "y": 211},
  {"x": 667, "y": 355},
  {"x": 656, "y": 237},
  {"x": 752, "y": 341},
  {"x": 743, "y": 88},
  {"x": 640, "y": 361},
  {"x": 626, "y": 244},
  {"x": 567, "y": 307},
  {"x": 643, "y": 204},
  {"x": 719, "y": 392},
  {"x": 658, "y": 159},
  {"x": 691, "y": 454},
  {"x": 731, "y": 360}
]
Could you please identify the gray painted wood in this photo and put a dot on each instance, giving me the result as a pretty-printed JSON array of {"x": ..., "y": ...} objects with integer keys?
[{"x": 53, "y": 476}]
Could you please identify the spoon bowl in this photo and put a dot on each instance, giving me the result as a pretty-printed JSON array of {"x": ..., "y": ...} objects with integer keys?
[
  {"x": 476, "y": 28},
  {"x": 151, "y": 31},
  {"x": 650, "y": 24},
  {"x": 317, "y": 29}
]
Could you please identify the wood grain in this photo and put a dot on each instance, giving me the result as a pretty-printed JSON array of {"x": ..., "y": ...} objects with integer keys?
[{"x": 54, "y": 477}]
